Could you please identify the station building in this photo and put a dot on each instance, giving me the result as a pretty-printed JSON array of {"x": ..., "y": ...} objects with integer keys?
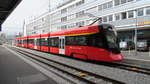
[{"x": 125, "y": 15}]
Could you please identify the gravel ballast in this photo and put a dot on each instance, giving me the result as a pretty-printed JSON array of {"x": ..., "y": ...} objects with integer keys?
[{"x": 114, "y": 73}]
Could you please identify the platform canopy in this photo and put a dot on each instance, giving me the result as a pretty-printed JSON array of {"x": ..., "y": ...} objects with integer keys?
[{"x": 6, "y": 8}]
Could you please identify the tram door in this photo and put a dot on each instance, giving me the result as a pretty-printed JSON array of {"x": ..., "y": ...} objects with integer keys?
[
  {"x": 35, "y": 45},
  {"x": 22, "y": 43},
  {"x": 61, "y": 45}
]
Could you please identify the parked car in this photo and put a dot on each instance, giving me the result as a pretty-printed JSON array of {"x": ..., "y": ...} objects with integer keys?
[
  {"x": 143, "y": 45},
  {"x": 126, "y": 45}
]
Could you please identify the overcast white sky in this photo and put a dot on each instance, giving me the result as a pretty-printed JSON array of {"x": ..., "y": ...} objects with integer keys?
[{"x": 25, "y": 11}]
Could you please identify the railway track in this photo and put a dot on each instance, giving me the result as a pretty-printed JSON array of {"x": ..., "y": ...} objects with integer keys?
[
  {"x": 81, "y": 75},
  {"x": 130, "y": 67},
  {"x": 126, "y": 66}
]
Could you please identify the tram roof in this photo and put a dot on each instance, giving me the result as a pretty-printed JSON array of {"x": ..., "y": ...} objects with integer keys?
[{"x": 70, "y": 32}]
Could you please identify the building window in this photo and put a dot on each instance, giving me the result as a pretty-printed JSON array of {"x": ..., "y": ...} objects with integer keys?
[
  {"x": 92, "y": 9},
  {"x": 71, "y": 7},
  {"x": 129, "y": 0},
  {"x": 140, "y": 12},
  {"x": 64, "y": 10},
  {"x": 105, "y": 6},
  {"x": 79, "y": 14},
  {"x": 105, "y": 19},
  {"x": 78, "y": 24},
  {"x": 117, "y": 2},
  {"x": 71, "y": 16},
  {"x": 117, "y": 16},
  {"x": 82, "y": 23},
  {"x": 63, "y": 27},
  {"x": 72, "y": 25},
  {"x": 123, "y": 1},
  {"x": 110, "y": 17},
  {"x": 80, "y": 3},
  {"x": 43, "y": 31},
  {"x": 110, "y": 4},
  {"x": 130, "y": 14},
  {"x": 148, "y": 11},
  {"x": 64, "y": 19},
  {"x": 100, "y": 8},
  {"x": 123, "y": 15}
]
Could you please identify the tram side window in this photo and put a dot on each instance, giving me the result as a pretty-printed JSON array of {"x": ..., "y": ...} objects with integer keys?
[
  {"x": 31, "y": 41},
  {"x": 70, "y": 41},
  {"x": 16, "y": 41},
  {"x": 54, "y": 42},
  {"x": 81, "y": 40},
  {"x": 19, "y": 41},
  {"x": 96, "y": 40},
  {"x": 44, "y": 42},
  {"x": 25, "y": 41},
  {"x": 76, "y": 40}
]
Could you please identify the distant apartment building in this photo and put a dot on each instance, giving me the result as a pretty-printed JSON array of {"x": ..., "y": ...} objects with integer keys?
[{"x": 125, "y": 15}]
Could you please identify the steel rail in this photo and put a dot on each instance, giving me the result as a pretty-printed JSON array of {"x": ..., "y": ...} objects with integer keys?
[
  {"x": 55, "y": 64},
  {"x": 125, "y": 66}
]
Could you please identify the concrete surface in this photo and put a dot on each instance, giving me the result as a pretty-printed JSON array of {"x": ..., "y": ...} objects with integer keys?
[{"x": 13, "y": 70}]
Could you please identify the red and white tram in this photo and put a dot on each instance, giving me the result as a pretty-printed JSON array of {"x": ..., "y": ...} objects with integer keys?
[{"x": 97, "y": 42}]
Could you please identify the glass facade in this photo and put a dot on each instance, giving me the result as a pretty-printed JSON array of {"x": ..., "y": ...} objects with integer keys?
[{"x": 129, "y": 35}]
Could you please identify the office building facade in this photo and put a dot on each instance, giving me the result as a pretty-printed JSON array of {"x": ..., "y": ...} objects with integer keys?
[{"x": 125, "y": 15}]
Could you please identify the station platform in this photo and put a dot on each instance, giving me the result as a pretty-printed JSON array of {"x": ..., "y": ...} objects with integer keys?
[{"x": 14, "y": 70}]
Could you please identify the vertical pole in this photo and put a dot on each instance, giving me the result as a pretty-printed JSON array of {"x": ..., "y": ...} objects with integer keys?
[
  {"x": 40, "y": 41},
  {"x": 135, "y": 36},
  {"x": 149, "y": 51},
  {"x": 49, "y": 26},
  {"x": 27, "y": 42},
  {"x": 48, "y": 40},
  {"x": 23, "y": 32}
]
